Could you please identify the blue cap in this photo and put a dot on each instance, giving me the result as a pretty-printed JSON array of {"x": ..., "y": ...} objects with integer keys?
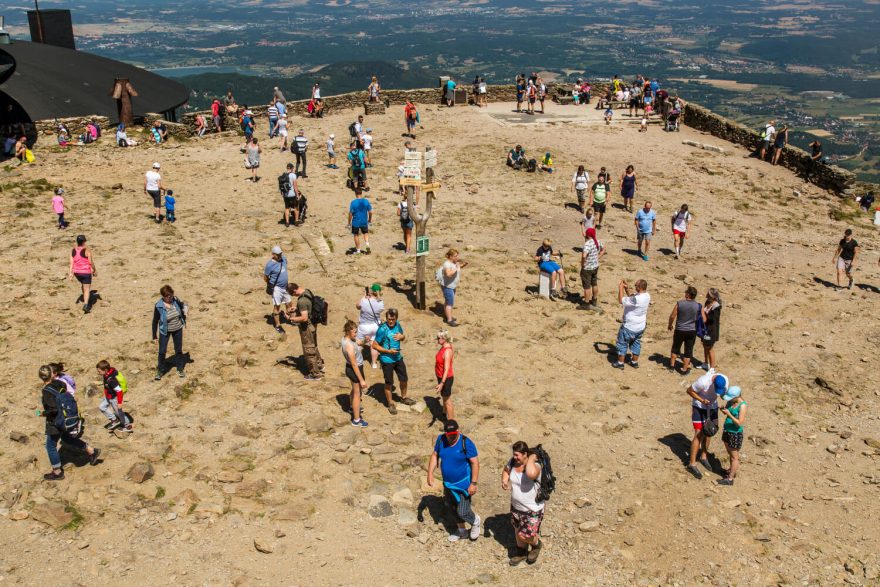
[
  {"x": 721, "y": 384},
  {"x": 732, "y": 393}
]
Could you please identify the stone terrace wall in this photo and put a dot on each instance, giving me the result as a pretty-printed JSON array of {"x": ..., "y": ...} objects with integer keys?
[{"x": 830, "y": 177}]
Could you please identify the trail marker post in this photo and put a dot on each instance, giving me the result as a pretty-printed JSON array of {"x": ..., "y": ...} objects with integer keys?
[{"x": 412, "y": 182}]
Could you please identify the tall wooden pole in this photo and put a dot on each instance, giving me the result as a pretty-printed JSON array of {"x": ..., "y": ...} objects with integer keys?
[{"x": 421, "y": 221}]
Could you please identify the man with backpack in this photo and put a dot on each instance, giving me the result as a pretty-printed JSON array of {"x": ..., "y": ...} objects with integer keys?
[
  {"x": 768, "y": 135},
  {"x": 290, "y": 194},
  {"x": 115, "y": 387},
  {"x": 311, "y": 310},
  {"x": 63, "y": 424},
  {"x": 299, "y": 147},
  {"x": 460, "y": 466},
  {"x": 529, "y": 478},
  {"x": 357, "y": 159}
]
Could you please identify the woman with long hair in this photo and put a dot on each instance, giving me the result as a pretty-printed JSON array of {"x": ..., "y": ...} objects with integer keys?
[{"x": 712, "y": 319}]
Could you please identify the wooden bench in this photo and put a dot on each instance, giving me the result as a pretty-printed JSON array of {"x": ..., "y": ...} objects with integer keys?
[{"x": 563, "y": 99}]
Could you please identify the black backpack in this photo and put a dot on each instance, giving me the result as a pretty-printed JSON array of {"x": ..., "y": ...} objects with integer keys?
[
  {"x": 352, "y": 131},
  {"x": 284, "y": 184},
  {"x": 532, "y": 166},
  {"x": 320, "y": 309},
  {"x": 404, "y": 213},
  {"x": 68, "y": 420},
  {"x": 547, "y": 483}
]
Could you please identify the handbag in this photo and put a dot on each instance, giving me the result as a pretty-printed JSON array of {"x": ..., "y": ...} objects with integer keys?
[
  {"x": 270, "y": 287},
  {"x": 710, "y": 426}
]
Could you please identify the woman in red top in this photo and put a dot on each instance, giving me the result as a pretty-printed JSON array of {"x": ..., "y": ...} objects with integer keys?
[{"x": 444, "y": 373}]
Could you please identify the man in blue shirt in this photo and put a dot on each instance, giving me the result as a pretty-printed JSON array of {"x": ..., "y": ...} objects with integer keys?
[
  {"x": 275, "y": 276},
  {"x": 461, "y": 473},
  {"x": 387, "y": 342},
  {"x": 646, "y": 226},
  {"x": 360, "y": 214}
]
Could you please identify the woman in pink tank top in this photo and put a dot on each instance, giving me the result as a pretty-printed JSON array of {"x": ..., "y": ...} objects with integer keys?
[
  {"x": 82, "y": 266},
  {"x": 445, "y": 374}
]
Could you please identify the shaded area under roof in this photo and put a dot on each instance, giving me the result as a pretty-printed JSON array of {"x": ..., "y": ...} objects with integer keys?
[{"x": 52, "y": 82}]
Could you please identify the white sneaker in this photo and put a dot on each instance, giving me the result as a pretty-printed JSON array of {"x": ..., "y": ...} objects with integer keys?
[
  {"x": 375, "y": 365},
  {"x": 475, "y": 529},
  {"x": 456, "y": 536}
]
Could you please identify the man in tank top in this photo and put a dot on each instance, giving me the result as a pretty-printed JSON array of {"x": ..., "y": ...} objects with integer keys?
[{"x": 683, "y": 324}]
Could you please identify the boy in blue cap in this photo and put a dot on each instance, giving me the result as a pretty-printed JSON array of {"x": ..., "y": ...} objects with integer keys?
[{"x": 169, "y": 205}]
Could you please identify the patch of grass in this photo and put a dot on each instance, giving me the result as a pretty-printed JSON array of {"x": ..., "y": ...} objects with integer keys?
[
  {"x": 328, "y": 241},
  {"x": 846, "y": 211},
  {"x": 77, "y": 520},
  {"x": 185, "y": 391},
  {"x": 191, "y": 509},
  {"x": 160, "y": 492},
  {"x": 740, "y": 206}
]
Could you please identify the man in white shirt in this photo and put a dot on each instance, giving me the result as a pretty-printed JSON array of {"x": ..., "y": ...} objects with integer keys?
[
  {"x": 635, "y": 320},
  {"x": 767, "y": 138},
  {"x": 704, "y": 394},
  {"x": 153, "y": 188}
]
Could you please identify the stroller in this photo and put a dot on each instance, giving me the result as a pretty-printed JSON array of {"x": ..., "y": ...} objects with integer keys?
[{"x": 672, "y": 120}]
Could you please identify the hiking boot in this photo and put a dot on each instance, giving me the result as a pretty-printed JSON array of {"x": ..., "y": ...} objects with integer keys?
[
  {"x": 617, "y": 365},
  {"x": 392, "y": 409},
  {"x": 317, "y": 377},
  {"x": 475, "y": 528},
  {"x": 634, "y": 364},
  {"x": 695, "y": 471},
  {"x": 725, "y": 481},
  {"x": 180, "y": 373},
  {"x": 53, "y": 476},
  {"x": 93, "y": 458},
  {"x": 278, "y": 329},
  {"x": 849, "y": 285},
  {"x": 453, "y": 323},
  {"x": 111, "y": 424},
  {"x": 359, "y": 423},
  {"x": 408, "y": 401},
  {"x": 458, "y": 535},
  {"x": 519, "y": 555},
  {"x": 87, "y": 308},
  {"x": 158, "y": 375},
  {"x": 533, "y": 554}
]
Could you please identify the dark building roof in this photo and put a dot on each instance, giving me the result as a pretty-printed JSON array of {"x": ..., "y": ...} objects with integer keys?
[{"x": 52, "y": 82}]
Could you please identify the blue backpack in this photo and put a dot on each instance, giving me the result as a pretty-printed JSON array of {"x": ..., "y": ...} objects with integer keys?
[{"x": 68, "y": 420}]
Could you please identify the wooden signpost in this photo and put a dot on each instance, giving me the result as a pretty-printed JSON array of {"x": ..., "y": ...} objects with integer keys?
[{"x": 412, "y": 182}]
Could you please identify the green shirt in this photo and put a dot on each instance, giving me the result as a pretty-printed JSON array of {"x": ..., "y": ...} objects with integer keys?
[{"x": 729, "y": 425}]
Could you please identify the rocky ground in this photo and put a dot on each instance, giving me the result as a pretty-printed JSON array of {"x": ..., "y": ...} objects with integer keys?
[{"x": 244, "y": 474}]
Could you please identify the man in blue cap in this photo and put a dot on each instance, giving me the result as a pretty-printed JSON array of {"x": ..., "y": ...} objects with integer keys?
[{"x": 704, "y": 392}]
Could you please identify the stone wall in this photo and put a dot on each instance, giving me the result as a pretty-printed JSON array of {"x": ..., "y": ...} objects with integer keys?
[
  {"x": 830, "y": 177},
  {"x": 76, "y": 125}
]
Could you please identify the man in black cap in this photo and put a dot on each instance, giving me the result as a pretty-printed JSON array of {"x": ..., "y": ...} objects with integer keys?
[{"x": 460, "y": 467}]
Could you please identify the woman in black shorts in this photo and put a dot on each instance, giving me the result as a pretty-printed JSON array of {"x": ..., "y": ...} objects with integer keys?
[
  {"x": 712, "y": 319},
  {"x": 354, "y": 370},
  {"x": 445, "y": 374},
  {"x": 82, "y": 266}
]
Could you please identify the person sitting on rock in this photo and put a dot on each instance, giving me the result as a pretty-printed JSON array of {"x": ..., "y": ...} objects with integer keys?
[{"x": 516, "y": 157}]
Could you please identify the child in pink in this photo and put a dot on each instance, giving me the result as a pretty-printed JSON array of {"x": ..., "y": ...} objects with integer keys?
[{"x": 58, "y": 207}]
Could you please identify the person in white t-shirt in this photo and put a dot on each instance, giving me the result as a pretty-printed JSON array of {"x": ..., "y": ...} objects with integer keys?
[
  {"x": 371, "y": 307},
  {"x": 448, "y": 275},
  {"x": 767, "y": 138},
  {"x": 580, "y": 183},
  {"x": 635, "y": 320},
  {"x": 681, "y": 221},
  {"x": 367, "y": 138},
  {"x": 522, "y": 476},
  {"x": 153, "y": 188},
  {"x": 704, "y": 394}
]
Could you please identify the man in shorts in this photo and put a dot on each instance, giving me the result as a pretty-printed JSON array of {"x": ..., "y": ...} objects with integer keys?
[
  {"x": 590, "y": 255},
  {"x": 459, "y": 463},
  {"x": 387, "y": 342},
  {"x": 845, "y": 257},
  {"x": 275, "y": 276},
  {"x": 646, "y": 226},
  {"x": 704, "y": 394},
  {"x": 308, "y": 331},
  {"x": 360, "y": 214},
  {"x": 153, "y": 188}
]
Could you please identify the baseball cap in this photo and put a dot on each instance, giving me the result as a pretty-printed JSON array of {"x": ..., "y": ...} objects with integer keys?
[
  {"x": 276, "y": 250},
  {"x": 332, "y": 136},
  {"x": 732, "y": 393},
  {"x": 369, "y": 130},
  {"x": 156, "y": 165},
  {"x": 721, "y": 384},
  {"x": 376, "y": 287},
  {"x": 450, "y": 426}
]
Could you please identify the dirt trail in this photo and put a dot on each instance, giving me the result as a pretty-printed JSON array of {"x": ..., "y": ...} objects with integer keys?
[{"x": 244, "y": 450}]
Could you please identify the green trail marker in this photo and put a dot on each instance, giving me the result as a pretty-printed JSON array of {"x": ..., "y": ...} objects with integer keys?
[{"x": 423, "y": 245}]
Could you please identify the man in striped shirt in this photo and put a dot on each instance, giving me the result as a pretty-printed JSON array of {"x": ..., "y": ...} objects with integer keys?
[
  {"x": 299, "y": 147},
  {"x": 272, "y": 111}
]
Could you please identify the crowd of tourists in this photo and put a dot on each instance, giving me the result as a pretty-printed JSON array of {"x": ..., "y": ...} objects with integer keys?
[{"x": 380, "y": 336}]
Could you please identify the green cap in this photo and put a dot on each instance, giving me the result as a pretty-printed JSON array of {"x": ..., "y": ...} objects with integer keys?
[{"x": 376, "y": 287}]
